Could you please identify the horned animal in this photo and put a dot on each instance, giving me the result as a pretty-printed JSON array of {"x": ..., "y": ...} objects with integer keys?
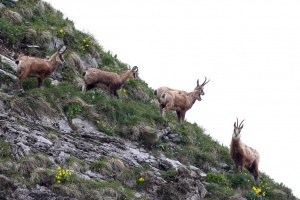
[
  {"x": 111, "y": 81},
  {"x": 37, "y": 67},
  {"x": 173, "y": 100},
  {"x": 243, "y": 155},
  {"x": 159, "y": 91}
]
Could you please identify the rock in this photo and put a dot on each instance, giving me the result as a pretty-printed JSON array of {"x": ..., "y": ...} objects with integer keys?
[
  {"x": 56, "y": 43},
  {"x": 223, "y": 166},
  {"x": 10, "y": 62},
  {"x": 2, "y": 6},
  {"x": 39, "y": 192}
]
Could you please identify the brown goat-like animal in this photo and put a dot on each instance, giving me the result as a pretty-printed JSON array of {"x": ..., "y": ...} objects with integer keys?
[
  {"x": 37, "y": 67},
  {"x": 112, "y": 81},
  {"x": 243, "y": 155},
  {"x": 172, "y": 100},
  {"x": 159, "y": 91}
]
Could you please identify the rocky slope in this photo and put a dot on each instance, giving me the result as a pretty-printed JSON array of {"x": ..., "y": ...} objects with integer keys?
[{"x": 60, "y": 143}]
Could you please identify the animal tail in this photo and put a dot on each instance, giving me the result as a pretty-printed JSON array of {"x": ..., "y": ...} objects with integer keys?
[
  {"x": 84, "y": 73},
  {"x": 155, "y": 92},
  {"x": 17, "y": 62}
]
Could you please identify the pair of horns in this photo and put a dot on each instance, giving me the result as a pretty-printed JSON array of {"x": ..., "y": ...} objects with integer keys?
[
  {"x": 204, "y": 83},
  {"x": 237, "y": 123}
]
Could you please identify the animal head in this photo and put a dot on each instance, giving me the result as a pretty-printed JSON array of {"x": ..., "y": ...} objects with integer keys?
[
  {"x": 60, "y": 53},
  {"x": 201, "y": 87},
  {"x": 196, "y": 95},
  {"x": 134, "y": 71},
  {"x": 237, "y": 129}
]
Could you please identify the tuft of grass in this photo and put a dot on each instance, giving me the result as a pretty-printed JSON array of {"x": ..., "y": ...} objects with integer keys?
[
  {"x": 76, "y": 164},
  {"x": 11, "y": 16},
  {"x": 29, "y": 163},
  {"x": 42, "y": 176},
  {"x": 5, "y": 149},
  {"x": 168, "y": 175}
]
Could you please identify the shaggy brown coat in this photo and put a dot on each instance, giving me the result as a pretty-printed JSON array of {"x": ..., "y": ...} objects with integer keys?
[
  {"x": 159, "y": 91},
  {"x": 37, "y": 67},
  {"x": 243, "y": 155},
  {"x": 112, "y": 81},
  {"x": 172, "y": 100}
]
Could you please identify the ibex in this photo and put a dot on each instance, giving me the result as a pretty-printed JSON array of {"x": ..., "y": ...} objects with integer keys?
[
  {"x": 112, "y": 81},
  {"x": 173, "y": 100},
  {"x": 37, "y": 67},
  {"x": 243, "y": 155},
  {"x": 159, "y": 91}
]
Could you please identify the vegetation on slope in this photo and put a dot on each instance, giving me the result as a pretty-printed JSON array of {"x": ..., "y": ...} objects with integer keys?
[{"x": 134, "y": 116}]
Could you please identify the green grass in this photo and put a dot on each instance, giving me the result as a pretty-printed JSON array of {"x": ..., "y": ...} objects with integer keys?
[{"x": 126, "y": 117}]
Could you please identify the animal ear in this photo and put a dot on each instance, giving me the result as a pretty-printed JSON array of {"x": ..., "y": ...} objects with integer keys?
[
  {"x": 242, "y": 126},
  {"x": 234, "y": 125},
  {"x": 198, "y": 82}
]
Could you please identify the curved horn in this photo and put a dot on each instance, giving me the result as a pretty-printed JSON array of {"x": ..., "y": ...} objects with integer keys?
[
  {"x": 241, "y": 123},
  {"x": 204, "y": 81}
]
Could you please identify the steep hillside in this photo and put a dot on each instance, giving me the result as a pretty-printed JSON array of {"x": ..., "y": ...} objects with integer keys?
[{"x": 61, "y": 143}]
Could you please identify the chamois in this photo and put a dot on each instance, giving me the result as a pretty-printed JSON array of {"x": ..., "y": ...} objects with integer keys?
[
  {"x": 172, "y": 100},
  {"x": 112, "y": 81},
  {"x": 243, "y": 155},
  {"x": 37, "y": 67},
  {"x": 159, "y": 91}
]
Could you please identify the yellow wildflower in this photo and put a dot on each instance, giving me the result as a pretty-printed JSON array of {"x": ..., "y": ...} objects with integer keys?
[
  {"x": 61, "y": 31},
  {"x": 58, "y": 168},
  {"x": 141, "y": 179},
  {"x": 58, "y": 182},
  {"x": 84, "y": 41}
]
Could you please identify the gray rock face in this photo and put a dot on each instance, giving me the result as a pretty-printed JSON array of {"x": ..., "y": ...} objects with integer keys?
[{"x": 30, "y": 137}]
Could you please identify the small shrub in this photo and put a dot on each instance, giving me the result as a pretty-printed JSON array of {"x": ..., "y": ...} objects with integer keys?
[
  {"x": 73, "y": 109},
  {"x": 62, "y": 175},
  {"x": 217, "y": 178},
  {"x": 169, "y": 174}
]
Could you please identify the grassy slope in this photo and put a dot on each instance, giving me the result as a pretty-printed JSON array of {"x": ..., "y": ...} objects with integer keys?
[{"x": 33, "y": 22}]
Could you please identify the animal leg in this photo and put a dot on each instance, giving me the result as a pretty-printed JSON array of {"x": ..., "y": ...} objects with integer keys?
[
  {"x": 243, "y": 166},
  {"x": 116, "y": 94},
  {"x": 20, "y": 83},
  {"x": 83, "y": 89},
  {"x": 255, "y": 169},
  {"x": 161, "y": 109},
  {"x": 39, "y": 81},
  {"x": 182, "y": 116},
  {"x": 178, "y": 115},
  {"x": 236, "y": 167}
]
